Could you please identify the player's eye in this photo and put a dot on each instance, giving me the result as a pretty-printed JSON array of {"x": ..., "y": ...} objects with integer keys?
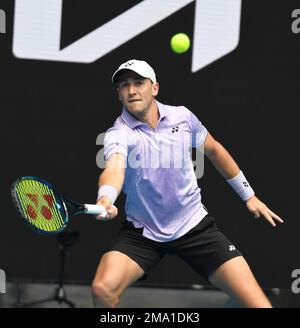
[
  {"x": 139, "y": 82},
  {"x": 123, "y": 85}
]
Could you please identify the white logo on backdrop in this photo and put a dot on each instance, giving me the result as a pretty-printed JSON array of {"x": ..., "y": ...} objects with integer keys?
[{"x": 37, "y": 30}]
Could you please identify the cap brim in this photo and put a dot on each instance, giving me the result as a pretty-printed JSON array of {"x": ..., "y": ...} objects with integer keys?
[{"x": 116, "y": 75}]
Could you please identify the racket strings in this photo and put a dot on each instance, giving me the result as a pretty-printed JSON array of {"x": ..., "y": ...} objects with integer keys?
[
  {"x": 41, "y": 207},
  {"x": 57, "y": 217}
]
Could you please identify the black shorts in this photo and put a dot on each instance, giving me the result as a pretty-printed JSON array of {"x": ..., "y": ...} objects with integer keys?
[{"x": 204, "y": 248}]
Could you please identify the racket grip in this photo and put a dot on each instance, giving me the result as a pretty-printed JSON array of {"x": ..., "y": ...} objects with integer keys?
[{"x": 95, "y": 209}]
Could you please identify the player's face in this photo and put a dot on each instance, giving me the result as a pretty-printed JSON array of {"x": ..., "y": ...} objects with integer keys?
[{"x": 136, "y": 93}]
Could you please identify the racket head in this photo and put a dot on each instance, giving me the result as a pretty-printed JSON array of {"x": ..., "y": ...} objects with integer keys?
[{"x": 40, "y": 206}]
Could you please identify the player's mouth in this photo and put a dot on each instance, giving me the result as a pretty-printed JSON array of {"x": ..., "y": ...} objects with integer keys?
[{"x": 133, "y": 100}]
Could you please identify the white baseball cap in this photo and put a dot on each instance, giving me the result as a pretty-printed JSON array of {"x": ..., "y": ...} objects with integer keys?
[{"x": 139, "y": 66}]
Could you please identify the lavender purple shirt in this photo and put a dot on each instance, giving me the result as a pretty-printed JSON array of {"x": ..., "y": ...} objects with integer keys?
[{"x": 163, "y": 196}]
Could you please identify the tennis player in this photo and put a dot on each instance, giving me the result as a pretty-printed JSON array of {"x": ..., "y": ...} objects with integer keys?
[{"x": 164, "y": 212}]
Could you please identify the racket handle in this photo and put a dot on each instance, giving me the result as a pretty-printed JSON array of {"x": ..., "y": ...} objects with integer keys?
[{"x": 95, "y": 209}]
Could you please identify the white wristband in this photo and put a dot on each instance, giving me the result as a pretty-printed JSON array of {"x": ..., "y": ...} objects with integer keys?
[
  {"x": 241, "y": 186},
  {"x": 108, "y": 191}
]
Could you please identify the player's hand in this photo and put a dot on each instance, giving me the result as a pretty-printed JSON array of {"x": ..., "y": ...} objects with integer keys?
[
  {"x": 111, "y": 210},
  {"x": 259, "y": 209}
]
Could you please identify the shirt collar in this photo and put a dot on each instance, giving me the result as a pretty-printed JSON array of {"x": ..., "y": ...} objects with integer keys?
[{"x": 133, "y": 122}]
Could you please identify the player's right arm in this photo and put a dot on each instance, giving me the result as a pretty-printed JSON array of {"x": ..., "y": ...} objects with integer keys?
[{"x": 112, "y": 175}]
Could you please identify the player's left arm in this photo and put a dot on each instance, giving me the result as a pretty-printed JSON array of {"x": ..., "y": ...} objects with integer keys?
[{"x": 229, "y": 169}]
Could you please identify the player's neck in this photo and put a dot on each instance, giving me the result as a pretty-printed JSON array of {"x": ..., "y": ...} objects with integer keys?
[{"x": 152, "y": 116}]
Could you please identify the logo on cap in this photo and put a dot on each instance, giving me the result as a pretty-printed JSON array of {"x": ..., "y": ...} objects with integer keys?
[{"x": 129, "y": 63}]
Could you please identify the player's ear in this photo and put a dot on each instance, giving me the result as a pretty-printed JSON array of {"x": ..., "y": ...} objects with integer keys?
[
  {"x": 155, "y": 89},
  {"x": 119, "y": 95}
]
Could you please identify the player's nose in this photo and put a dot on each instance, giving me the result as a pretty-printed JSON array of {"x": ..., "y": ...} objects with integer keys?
[{"x": 131, "y": 90}]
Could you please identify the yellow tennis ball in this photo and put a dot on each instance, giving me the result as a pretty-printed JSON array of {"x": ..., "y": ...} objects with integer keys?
[{"x": 180, "y": 43}]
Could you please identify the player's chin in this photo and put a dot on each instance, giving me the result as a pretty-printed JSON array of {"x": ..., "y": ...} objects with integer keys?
[{"x": 135, "y": 106}]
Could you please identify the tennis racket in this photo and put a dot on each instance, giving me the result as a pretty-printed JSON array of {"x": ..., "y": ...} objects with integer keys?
[{"x": 43, "y": 208}]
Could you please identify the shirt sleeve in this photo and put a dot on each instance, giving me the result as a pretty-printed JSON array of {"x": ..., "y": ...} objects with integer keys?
[
  {"x": 198, "y": 130},
  {"x": 115, "y": 142}
]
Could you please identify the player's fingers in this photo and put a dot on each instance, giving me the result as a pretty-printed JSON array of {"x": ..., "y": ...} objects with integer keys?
[
  {"x": 269, "y": 218},
  {"x": 256, "y": 214},
  {"x": 276, "y": 217},
  {"x": 112, "y": 211},
  {"x": 100, "y": 217},
  {"x": 103, "y": 217}
]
